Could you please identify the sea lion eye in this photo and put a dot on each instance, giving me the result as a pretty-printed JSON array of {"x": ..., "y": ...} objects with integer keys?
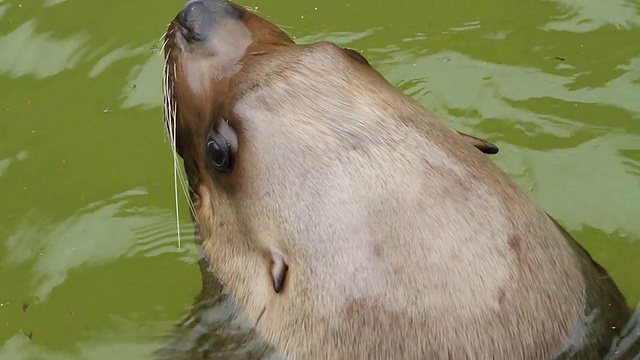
[{"x": 219, "y": 151}]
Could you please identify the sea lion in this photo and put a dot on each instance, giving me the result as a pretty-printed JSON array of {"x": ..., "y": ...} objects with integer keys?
[{"x": 350, "y": 222}]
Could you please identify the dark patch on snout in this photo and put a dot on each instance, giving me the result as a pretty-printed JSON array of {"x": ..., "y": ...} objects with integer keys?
[{"x": 198, "y": 18}]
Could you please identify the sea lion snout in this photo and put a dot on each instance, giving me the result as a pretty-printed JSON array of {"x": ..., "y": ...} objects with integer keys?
[{"x": 199, "y": 17}]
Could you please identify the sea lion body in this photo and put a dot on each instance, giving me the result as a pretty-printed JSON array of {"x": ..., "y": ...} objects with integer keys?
[{"x": 350, "y": 222}]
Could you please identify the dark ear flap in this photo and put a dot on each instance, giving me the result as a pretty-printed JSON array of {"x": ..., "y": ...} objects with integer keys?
[
  {"x": 482, "y": 145},
  {"x": 279, "y": 267},
  {"x": 356, "y": 55}
]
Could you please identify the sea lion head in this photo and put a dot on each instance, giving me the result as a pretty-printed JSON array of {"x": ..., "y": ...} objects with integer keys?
[{"x": 291, "y": 152}]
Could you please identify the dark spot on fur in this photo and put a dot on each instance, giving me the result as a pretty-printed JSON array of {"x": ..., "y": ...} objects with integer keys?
[
  {"x": 515, "y": 243},
  {"x": 398, "y": 270},
  {"x": 351, "y": 309},
  {"x": 378, "y": 250},
  {"x": 501, "y": 296},
  {"x": 359, "y": 310}
]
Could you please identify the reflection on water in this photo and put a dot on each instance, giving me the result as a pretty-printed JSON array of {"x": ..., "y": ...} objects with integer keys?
[
  {"x": 3, "y": 9},
  {"x": 25, "y": 52},
  {"x": 144, "y": 87},
  {"x": 630, "y": 336},
  {"x": 583, "y": 16},
  {"x": 99, "y": 233},
  {"x": 344, "y": 37},
  {"x": 123, "y": 339},
  {"x": 117, "y": 54},
  {"x": 489, "y": 89},
  {"x": 5, "y": 163},
  {"x": 588, "y": 164},
  {"x": 78, "y": 256}
]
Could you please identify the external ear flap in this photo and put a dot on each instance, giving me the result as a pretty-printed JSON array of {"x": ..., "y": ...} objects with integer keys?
[
  {"x": 279, "y": 267},
  {"x": 356, "y": 55},
  {"x": 482, "y": 145}
]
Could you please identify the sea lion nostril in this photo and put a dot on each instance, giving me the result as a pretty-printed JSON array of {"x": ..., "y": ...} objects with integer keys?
[
  {"x": 196, "y": 19},
  {"x": 203, "y": 13},
  {"x": 191, "y": 13}
]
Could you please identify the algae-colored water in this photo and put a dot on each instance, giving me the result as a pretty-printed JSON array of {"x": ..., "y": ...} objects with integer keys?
[{"x": 90, "y": 266}]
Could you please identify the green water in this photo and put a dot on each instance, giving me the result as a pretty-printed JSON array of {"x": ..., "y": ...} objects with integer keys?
[{"x": 90, "y": 266}]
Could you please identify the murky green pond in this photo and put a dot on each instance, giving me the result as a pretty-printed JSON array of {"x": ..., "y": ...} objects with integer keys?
[{"x": 90, "y": 265}]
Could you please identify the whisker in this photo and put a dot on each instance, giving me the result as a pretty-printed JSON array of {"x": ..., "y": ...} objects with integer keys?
[
  {"x": 170, "y": 127},
  {"x": 184, "y": 182},
  {"x": 170, "y": 119},
  {"x": 165, "y": 40},
  {"x": 175, "y": 191},
  {"x": 182, "y": 177},
  {"x": 163, "y": 37}
]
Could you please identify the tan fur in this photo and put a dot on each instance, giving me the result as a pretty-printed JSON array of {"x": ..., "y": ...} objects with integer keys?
[{"x": 402, "y": 240}]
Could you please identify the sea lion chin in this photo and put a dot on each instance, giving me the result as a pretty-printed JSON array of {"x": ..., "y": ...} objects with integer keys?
[{"x": 348, "y": 220}]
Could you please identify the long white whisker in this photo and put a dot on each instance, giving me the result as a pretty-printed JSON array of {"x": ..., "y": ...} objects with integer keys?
[
  {"x": 170, "y": 124},
  {"x": 183, "y": 180},
  {"x": 170, "y": 117},
  {"x": 175, "y": 187},
  {"x": 176, "y": 169},
  {"x": 163, "y": 38}
]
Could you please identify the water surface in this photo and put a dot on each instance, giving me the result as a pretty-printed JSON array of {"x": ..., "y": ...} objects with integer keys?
[{"x": 89, "y": 259}]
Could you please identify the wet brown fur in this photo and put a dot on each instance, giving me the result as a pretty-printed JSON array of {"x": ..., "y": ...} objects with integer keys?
[{"x": 400, "y": 237}]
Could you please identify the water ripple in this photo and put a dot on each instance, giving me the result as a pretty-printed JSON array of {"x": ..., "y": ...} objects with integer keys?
[
  {"x": 25, "y": 52},
  {"x": 96, "y": 234}
]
